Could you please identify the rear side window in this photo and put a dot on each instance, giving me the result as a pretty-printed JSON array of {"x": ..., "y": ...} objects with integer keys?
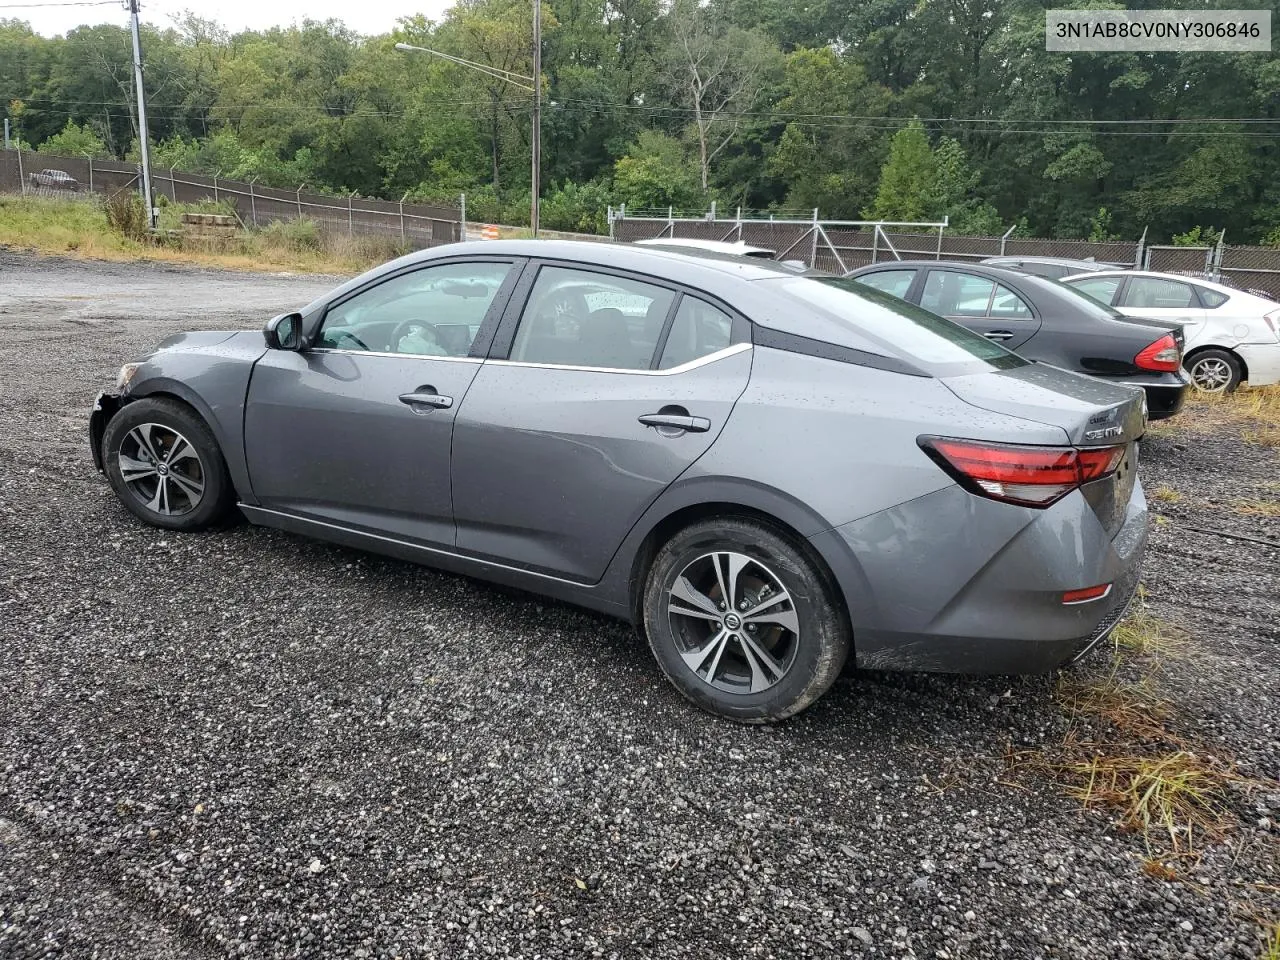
[
  {"x": 585, "y": 319},
  {"x": 699, "y": 329},
  {"x": 954, "y": 294},
  {"x": 1211, "y": 298},
  {"x": 1008, "y": 305},
  {"x": 1102, "y": 289},
  {"x": 896, "y": 282},
  {"x": 1159, "y": 294},
  {"x": 932, "y": 342},
  {"x": 1051, "y": 270}
]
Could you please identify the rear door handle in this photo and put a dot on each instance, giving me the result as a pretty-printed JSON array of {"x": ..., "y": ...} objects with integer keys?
[
  {"x": 676, "y": 421},
  {"x": 426, "y": 397},
  {"x": 999, "y": 334}
]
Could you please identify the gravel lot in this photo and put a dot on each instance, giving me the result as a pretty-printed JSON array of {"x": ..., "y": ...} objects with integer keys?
[{"x": 250, "y": 744}]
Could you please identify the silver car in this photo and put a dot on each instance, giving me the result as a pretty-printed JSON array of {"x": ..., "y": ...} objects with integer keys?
[{"x": 766, "y": 473}]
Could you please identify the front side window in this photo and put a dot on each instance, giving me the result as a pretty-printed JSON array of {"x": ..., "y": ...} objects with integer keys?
[
  {"x": 583, "y": 319},
  {"x": 699, "y": 329},
  {"x": 436, "y": 311},
  {"x": 952, "y": 294},
  {"x": 1158, "y": 293},
  {"x": 1102, "y": 289},
  {"x": 896, "y": 282}
]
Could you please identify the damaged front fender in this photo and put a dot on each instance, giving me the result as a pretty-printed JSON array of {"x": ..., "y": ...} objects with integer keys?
[{"x": 104, "y": 408}]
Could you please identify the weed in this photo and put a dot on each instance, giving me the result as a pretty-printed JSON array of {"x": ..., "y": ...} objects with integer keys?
[
  {"x": 1166, "y": 495},
  {"x": 1158, "y": 869},
  {"x": 1177, "y": 793},
  {"x": 1257, "y": 508},
  {"x": 1142, "y": 633},
  {"x": 1271, "y": 951},
  {"x": 125, "y": 214}
]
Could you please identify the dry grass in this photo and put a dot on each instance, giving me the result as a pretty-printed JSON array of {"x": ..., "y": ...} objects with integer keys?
[
  {"x": 1166, "y": 495},
  {"x": 1258, "y": 508},
  {"x": 1142, "y": 633},
  {"x": 80, "y": 228},
  {"x": 1256, "y": 409},
  {"x": 1178, "y": 794}
]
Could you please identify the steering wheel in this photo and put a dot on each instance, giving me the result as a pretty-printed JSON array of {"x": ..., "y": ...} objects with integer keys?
[
  {"x": 403, "y": 328},
  {"x": 336, "y": 337}
]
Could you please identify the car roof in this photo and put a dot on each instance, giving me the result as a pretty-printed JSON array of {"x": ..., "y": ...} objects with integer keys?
[
  {"x": 739, "y": 248},
  {"x": 1221, "y": 288},
  {"x": 991, "y": 270},
  {"x": 1064, "y": 261}
]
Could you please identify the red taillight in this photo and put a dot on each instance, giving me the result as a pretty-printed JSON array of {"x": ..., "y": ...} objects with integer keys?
[
  {"x": 1163, "y": 355},
  {"x": 1031, "y": 476},
  {"x": 1087, "y": 594}
]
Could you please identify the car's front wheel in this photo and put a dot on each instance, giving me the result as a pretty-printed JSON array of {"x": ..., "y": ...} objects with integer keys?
[
  {"x": 742, "y": 622},
  {"x": 165, "y": 466},
  {"x": 1215, "y": 371}
]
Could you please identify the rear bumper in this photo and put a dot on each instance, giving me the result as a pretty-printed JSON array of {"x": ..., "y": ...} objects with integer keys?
[
  {"x": 1262, "y": 361},
  {"x": 1163, "y": 401},
  {"x": 954, "y": 583},
  {"x": 104, "y": 408}
]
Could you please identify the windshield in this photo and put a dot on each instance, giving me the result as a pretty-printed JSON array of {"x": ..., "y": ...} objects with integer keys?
[{"x": 941, "y": 347}]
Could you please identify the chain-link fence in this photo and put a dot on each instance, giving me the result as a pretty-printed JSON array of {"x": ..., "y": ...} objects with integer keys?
[
  {"x": 414, "y": 225},
  {"x": 840, "y": 246}
]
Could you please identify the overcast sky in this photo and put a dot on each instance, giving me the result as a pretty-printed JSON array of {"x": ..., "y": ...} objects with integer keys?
[{"x": 364, "y": 16}]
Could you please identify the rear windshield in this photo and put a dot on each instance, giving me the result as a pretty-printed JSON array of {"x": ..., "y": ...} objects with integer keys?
[{"x": 937, "y": 345}]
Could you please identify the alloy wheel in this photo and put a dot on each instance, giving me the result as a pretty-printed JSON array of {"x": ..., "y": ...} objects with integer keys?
[
  {"x": 734, "y": 623},
  {"x": 161, "y": 469},
  {"x": 1212, "y": 374}
]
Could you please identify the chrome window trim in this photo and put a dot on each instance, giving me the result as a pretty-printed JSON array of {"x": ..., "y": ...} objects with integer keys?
[
  {"x": 400, "y": 356},
  {"x": 728, "y": 351}
]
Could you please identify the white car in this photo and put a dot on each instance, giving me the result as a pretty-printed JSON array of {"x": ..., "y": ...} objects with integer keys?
[{"x": 1232, "y": 336}]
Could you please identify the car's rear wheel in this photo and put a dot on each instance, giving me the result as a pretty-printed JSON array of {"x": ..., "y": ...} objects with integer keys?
[
  {"x": 165, "y": 466},
  {"x": 1215, "y": 371},
  {"x": 742, "y": 622}
]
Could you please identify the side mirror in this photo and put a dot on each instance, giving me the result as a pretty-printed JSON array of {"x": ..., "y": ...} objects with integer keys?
[{"x": 284, "y": 332}]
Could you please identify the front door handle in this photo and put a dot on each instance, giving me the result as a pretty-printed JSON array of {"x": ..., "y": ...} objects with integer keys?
[
  {"x": 675, "y": 421},
  {"x": 425, "y": 397},
  {"x": 999, "y": 334}
]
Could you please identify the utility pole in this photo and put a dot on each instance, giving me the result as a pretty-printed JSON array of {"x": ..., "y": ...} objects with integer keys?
[
  {"x": 6, "y": 133},
  {"x": 143, "y": 139},
  {"x": 537, "y": 116}
]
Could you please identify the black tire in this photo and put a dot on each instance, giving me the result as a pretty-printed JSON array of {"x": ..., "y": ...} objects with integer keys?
[
  {"x": 1211, "y": 366},
  {"x": 160, "y": 420},
  {"x": 812, "y": 655}
]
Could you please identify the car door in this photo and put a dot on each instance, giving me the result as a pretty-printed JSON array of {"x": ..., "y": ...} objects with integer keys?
[
  {"x": 356, "y": 429},
  {"x": 983, "y": 305},
  {"x": 1162, "y": 298},
  {"x": 603, "y": 387}
]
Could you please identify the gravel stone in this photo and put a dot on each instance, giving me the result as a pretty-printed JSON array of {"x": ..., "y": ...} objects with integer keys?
[{"x": 249, "y": 744}]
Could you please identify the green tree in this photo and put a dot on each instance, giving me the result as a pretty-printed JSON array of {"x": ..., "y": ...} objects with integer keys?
[
  {"x": 76, "y": 140},
  {"x": 954, "y": 193},
  {"x": 657, "y": 172},
  {"x": 907, "y": 177}
]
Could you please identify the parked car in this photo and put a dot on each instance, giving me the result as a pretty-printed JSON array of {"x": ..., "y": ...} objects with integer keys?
[
  {"x": 1232, "y": 335},
  {"x": 1055, "y": 268},
  {"x": 784, "y": 471},
  {"x": 1044, "y": 321},
  {"x": 737, "y": 248},
  {"x": 54, "y": 180}
]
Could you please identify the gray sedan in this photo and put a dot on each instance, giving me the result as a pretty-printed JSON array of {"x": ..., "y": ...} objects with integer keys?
[{"x": 767, "y": 473}]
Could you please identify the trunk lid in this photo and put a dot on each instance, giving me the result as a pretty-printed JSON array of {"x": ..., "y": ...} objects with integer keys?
[
  {"x": 1174, "y": 327},
  {"x": 1091, "y": 413}
]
